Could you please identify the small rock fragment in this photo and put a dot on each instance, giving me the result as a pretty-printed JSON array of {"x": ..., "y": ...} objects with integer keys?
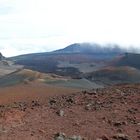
[
  {"x": 103, "y": 138},
  {"x": 60, "y": 113},
  {"x": 88, "y": 106},
  {"x": 120, "y": 136},
  {"x": 62, "y": 136},
  {"x": 138, "y": 124},
  {"x": 75, "y": 138},
  {"x": 59, "y": 136}
]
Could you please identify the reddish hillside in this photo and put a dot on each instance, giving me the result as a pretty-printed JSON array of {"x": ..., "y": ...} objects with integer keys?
[{"x": 114, "y": 75}]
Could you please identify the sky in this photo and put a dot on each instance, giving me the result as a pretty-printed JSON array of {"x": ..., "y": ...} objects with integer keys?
[{"x": 28, "y": 26}]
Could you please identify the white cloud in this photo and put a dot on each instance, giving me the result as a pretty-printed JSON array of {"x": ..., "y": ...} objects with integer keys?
[
  {"x": 41, "y": 25},
  {"x": 13, "y": 47}
]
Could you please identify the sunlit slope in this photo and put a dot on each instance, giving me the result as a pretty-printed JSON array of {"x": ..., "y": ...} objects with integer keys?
[{"x": 25, "y": 76}]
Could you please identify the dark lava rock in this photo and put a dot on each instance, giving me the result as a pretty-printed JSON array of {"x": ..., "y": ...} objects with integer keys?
[
  {"x": 1, "y": 57},
  {"x": 62, "y": 136},
  {"x": 121, "y": 136}
]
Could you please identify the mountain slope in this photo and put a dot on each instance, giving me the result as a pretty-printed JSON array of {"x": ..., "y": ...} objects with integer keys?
[
  {"x": 116, "y": 75},
  {"x": 7, "y": 66},
  {"x": 1, "y": 57},
  {"x": 26, "y": 76},
  {"x": 91, "y": 48},
  {"x": 78, "y": 53},
  {"x": 81, "y": 59},
  {"x": 129, "y": 59}
]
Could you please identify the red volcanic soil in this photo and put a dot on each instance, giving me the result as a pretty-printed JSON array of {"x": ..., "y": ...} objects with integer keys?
[
  {"x": 31, "y": 91},
  {"x": 112, "y": 113}
]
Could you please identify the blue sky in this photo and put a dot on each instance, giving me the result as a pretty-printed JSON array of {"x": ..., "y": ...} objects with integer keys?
[{"x": 43, "y": 25}]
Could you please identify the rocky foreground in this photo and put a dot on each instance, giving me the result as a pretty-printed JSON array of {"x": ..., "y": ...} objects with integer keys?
[{"x": 112, "y": 113}]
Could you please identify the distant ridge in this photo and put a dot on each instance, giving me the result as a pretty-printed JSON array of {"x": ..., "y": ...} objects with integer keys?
[
  {"x": 1, "y": 56},
  {"x": 101, "y": 64},
  {"x": 91, "y": 48}
]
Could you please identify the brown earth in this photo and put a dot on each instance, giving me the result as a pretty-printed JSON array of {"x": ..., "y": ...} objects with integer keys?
[
  {"x": 112, "y": 113},
  {"x": 30, "y": 91}
]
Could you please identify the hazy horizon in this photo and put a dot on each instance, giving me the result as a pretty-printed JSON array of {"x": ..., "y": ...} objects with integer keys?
[{"x": 30, "y": 26}]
